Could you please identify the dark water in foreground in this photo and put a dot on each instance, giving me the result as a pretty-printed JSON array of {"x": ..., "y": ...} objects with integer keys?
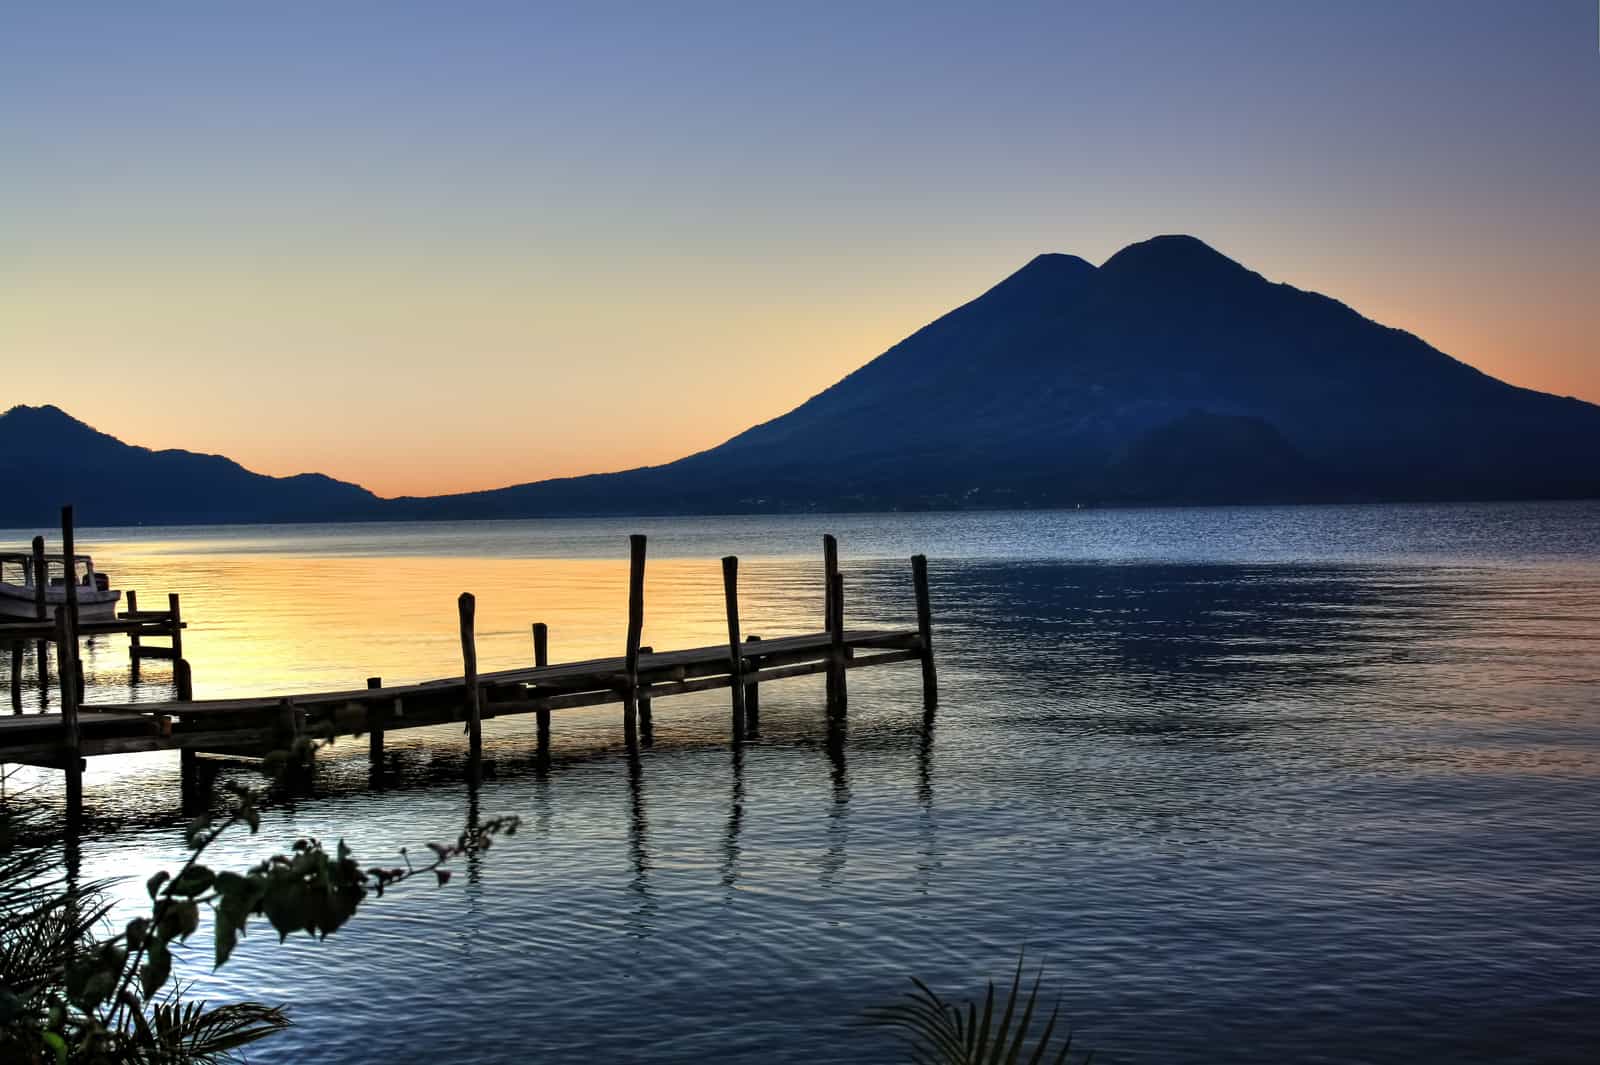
[{"x": 1257, "y": 785}]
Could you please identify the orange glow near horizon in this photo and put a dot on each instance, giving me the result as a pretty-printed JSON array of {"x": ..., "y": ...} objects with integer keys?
[{"x": 665, "y": 379}]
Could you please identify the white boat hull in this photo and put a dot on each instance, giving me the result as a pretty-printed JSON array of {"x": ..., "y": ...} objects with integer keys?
[{"x": 16, "y": 602}]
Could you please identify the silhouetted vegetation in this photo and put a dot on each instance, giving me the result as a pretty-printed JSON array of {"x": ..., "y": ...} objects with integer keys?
[{"x": 70, "y": 993}]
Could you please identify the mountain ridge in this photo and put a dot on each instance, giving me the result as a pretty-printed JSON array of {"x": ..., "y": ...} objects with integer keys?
[{"x": 1170, "y": 373}]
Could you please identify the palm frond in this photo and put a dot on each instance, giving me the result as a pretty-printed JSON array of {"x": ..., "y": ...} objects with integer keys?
[
  {"x": 943, "y": 1033},
  {"x": 194, "y": 1032}
]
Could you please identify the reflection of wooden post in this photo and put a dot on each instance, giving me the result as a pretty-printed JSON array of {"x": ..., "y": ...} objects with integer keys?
[
  {"x": 375, "y": 721},
  {"x": 730, "y": 594},
  {"x": 541, "y": 658},
  {"x": 630, "y": 710},
  {"x": 467, "y": 606},
  {"x": 930, "y": 679},
  {"x": 66, "y": 645},
  {"x": 839, "y": 698},
  {"x": 752, "y": 690}
]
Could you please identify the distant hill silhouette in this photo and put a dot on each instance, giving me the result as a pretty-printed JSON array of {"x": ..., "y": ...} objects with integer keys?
[
  {"x": 1168, "y": 374},
  {"x": 48, "y": 458}
]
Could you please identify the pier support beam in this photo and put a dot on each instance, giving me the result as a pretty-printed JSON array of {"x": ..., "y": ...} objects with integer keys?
[
  {"x": 647, "y": 719},
  {"x": 630, "y": 705},
  {"x": 730, "y": 595},
  {"x": 541, "y": 658},
  {"x": 830, "y": 570},
  {"x": 838, "y": 693},
  {"x": 752, "y": 692},
  {"x": 375, "y": 721},
  {"x": 930, "y": 678},
  {"x": 468, "y": 607},
  {"x": 132, "y": 601}
]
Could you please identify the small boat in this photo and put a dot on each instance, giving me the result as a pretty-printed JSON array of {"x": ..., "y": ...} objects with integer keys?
[{"x": 97, "y": 600}]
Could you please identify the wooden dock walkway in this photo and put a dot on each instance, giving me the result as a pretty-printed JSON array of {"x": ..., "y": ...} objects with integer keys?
[{"x": 257, "y": 726}]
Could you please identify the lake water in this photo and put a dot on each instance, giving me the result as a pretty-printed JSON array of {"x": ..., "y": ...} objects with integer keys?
[{"x": 1255, "y": 784}]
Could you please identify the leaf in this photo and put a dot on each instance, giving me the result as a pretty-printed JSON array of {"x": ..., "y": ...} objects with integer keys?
[
  {"x": 443, "y": 875},
  {"x": 193, "y": 881},
  {"x": 227, "y": 931},
  {"x": 57, "y": 1045},
  {"x": 156, "y": 969},
  {"x": 153, "y": 885}
]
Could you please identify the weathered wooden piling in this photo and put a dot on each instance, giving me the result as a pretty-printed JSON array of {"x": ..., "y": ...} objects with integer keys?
[
  {"x": 730, "y": 595},
  {"x": 41, "y": 580},
  {"x": 375, "y": 716},
  {"x": 630, "y": 705},
  {"x": 188, "y": 758},
  {"x": 930, "y": 678},
  {"x": 830, "y": 570},
  {"x": 541, "y": 658},
  {"x": 838, "y": 693},
  {"x": 132, "y": 599},
  {"x": 752, "y": 690},
  {"x": 647, "y": 718},
  {"x": 467, "y": 606},
  {"x": 174, "y": 608},
  {"x": 16, "y": 677}
]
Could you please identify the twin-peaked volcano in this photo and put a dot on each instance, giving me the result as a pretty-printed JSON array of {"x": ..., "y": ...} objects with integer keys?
[{"x": 1168, "y": 374}]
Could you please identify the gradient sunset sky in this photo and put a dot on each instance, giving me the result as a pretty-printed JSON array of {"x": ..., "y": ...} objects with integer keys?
[{"x": 440, "y": 247}]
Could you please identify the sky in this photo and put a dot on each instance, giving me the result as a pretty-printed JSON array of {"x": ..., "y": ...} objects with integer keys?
[{"x": 444, "y": 247}]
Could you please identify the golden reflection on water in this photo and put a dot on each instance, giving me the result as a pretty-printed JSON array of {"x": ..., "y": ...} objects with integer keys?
[{"x": 279, "y": 623}]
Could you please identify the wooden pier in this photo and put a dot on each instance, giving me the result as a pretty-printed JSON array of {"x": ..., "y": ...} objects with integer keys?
[{"x": 635, "y": 680}]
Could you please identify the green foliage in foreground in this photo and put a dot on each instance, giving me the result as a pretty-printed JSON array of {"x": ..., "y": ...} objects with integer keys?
[
  {"x": 945, "y": 1033},
  {"x": 69, "y": 996}
]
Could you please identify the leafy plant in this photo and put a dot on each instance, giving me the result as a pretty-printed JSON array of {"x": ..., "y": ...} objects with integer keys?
[
  {"x": 67, "y": 995},
  {"x": 945, "y": 1033}
]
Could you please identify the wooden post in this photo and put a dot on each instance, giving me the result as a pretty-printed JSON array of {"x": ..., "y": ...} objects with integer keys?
[
  {"x": 66, "y": 648},
  {"x": 468, "y": 606},
  {"x": 646, "y": 711},
  {"x": 69, "y": 581},
  {"x": 839, "y": 698},
  {"x": 752, "y": 693},
  {"x": 930, "y": 679},
  {"x": 133, "y": 637},
  {"x": 41, "y": 578},
  {"x": 830, "y": 570},
  {"x": 630, "y": 709},
  {"x": 541, "y": 658},
  {"x": 16, "y": 678},
  {"x": 188, "y": 761},
  {"x": 375, "y": 726},
  {"x": 41, "y": 581},
  {"x": 177, "y": 624},
  {"x": 730, "y": 594}
]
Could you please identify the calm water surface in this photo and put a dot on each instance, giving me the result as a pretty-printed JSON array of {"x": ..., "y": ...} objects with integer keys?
[{"x": 1256, "y": 784}]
